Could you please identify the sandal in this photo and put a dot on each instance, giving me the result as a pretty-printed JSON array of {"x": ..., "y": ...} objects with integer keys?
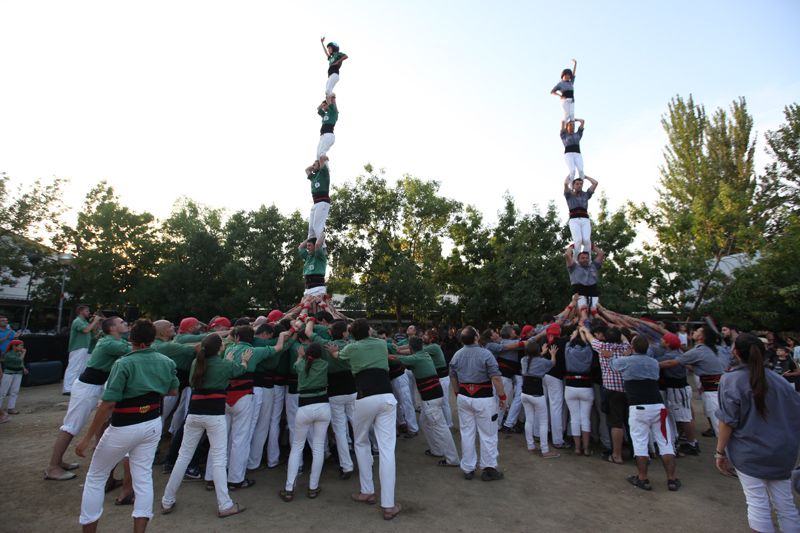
[
  {"x": 614, "y": 461},
  {"x": 391, "y": 512},
  {"x": 673, "y": 484},
  {"x": 127, "y": 500},
  {"x": 643, "y": 484},
  {"x": 245, "y": 484},
  {"x": 286, "y": 495},
  {"x": 369, "y": 499},
  {"x": 63, "y": 477},
  {"x": 230, "y": 511},
  {"x": 115, "y": 484},
  {"x": 210, "y": 485},
  {"x": 313, "y": 493}
]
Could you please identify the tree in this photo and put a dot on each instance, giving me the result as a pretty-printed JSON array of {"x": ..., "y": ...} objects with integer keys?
[{"x": 780, "y": 185}]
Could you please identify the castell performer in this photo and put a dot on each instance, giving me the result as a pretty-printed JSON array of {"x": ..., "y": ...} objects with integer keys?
[
  {"x": 572, "y": 148},
  {"x": 320, "y": 178},
  {"x": 330, "y": 114},
  {"x": 583, "y": 275},
  {"x": 315, "y": 264},
  {"x": 132, "y": 398},
  {"x": 335, "y": 59},
  {"x": 565, "y": 89},
  {"x": 376, "y": 407},
  {"x": 476, "y": 377},
  {"x": 209, "y": 378},
  {"x": 580, "y": 227}
]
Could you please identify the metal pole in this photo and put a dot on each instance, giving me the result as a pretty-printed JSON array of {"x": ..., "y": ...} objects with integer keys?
[{"x": 61, "y": 299}]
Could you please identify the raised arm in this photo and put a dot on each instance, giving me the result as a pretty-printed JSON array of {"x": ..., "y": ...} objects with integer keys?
[
  {"x": 574, "y": 69},
  {"x": 600, "y": 255},
  {"x": 568, "y": 254},
  {"x": 320, "y": 241},
  {"x": 566, "y": 185},
  {"x": 593, "y": 182},
  {"x": 324, "y": 48}
]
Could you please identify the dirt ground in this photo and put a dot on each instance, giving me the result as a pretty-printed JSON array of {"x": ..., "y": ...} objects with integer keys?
[{"x": 568, "y": 493}]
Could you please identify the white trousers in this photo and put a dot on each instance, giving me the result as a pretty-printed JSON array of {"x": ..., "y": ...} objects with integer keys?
[
  {"x": 434, "y": 426},
  {"x": 238, "y": 424},
  {"x": 9, "y": 386},
  {"x": 536, "y": 412},
  {"x": 568, "y": 106},
  {"x": 760, "y": 493},
  {"x": 326, "y": 140},
  {"x": 333, "y": 79},
  {"x": 376, "y": 412},
  {"x": 579, "y": 402},
  {"x": 273, "y": 445},
  {"x": 82, "y": 401},
  {"x": 291, "y": 403},
  {"x": 341, "y": 412},
  {"x": 75, "y": 367},
  {"x": 313, "y": 291},
  {"x": 581, "y": 231},
  {"x": 574, "y": 162},
  {"x": 139, "y": 443},
  {"x": 406, "y": 404},
  {"x": 516, "y": 403},
  {"x": 181, "y": 411},
  {"x": 477, "y": 413},
  {"x": 710, "y": 406},
  {"x": 317, "y": 219},
  {"x": 645, "y": 424},
  {"x": 314, "y": 420},
  {"x": 412, "y": 388},
  {"x": 262, "y": 418},
  {"x": 217, "y": 428},
  {"x": 554, "y": 390},
  {"x": 446, "y": 410}
]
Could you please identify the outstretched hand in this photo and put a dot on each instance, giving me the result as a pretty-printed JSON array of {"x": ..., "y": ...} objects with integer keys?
[{"x": 246, "y": 356}]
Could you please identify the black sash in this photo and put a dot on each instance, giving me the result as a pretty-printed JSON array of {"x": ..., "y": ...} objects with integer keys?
[
  {"x": 476, "y": 390},
  {"x": 642, "y": 392},
  {"x": 532, "y": 386},
  {"x": 341, "y": 383},
  {"x": 373, "y": 381},
  {"x": 207, "y": 402},
  {"x": 429, "y": 388},
  {"x": 136, "y": 410},
  {"x": 94, "y": 376}
]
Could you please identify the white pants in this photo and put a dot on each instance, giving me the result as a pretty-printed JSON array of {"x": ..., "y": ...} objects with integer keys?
[
  {"x": 554, "y": 389},
  {"x": 406, "y": 404},
  {"x": 217, "y": 428},
  {"x": 326, "y": 140},
  {"x": 75, "y": 367},
  {"x": 434, "y": 426},
  {"x": 568, "y": 106},
  {"x": 477, "y": 413},
  {"x": 508, "y": 386},
  {"x": 82, "y": 402},
  {"x": 710, "y": 406},
  {"x": 181, "y": 411},
  {"x": 446, "y": 411},
  {"x": 645, "y": 424},
  {"x": 9, "y": 386},
  {"x": 333, "y": 79},
  {"x": 579, "y": 402},
  {"x": 262, "y": 418},
  {"x": 412, "y": 389},
  {"x": 317, "y": 219},
  {"x": 574, "y": 162},
  {"x": 516, "y": 403},
  {"x": 376, "y": 412},
  {"x": 238, "y": 424},
  {"x": 139, "y": 443},
  {"x": 273, "y": 446},
  {"x": 341, "y": 411},
  {"x": 581, "y": 231},
  {"x": 759, "y": 493},
  {"x": 313, "y": 419},
  {"x": 291, "y": 403},
  {"x": 313, "y": 291},
  {"x": 536, "y": 412}
]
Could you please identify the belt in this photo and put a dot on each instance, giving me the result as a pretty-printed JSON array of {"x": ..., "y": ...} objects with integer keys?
[{"x": 141, "y": 409}]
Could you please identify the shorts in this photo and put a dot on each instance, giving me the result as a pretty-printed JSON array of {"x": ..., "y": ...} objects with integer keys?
[{"x": 616, "y": 408}]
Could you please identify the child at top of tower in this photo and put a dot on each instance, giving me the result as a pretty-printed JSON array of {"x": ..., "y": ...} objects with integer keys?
[
  {"x": 565, "y": 89},
  {"x": 335, "y": 59}
]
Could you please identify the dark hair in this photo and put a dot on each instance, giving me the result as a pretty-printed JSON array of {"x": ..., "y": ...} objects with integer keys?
[
  {"x": 710, "y": 337},
  {"x": 337, "y": 329},
  {"x": 532, "y": 349},
  {"x": 566, "y": 72},
  {"x": 546, "y": 318},
  {"x": 640, "y": 344},
  {"x": 265, "y": 328},
  {"x": 486, "y": 336},
  {"x": 313, "y": 352},
  {"x": 244, "y": 334},
  {"x": 433, "y": 335},
  {"x": 506, "y": 331},
  {"x": 209, "y": 347},
  {"x": 359, "y": 329},
  {"x": 468, "y": 335},
  {"x": 334, "y": 47},
  {"x": 672, "y": 327},
  {"x": 324, "y": 315},
  {"x": 286, "y": 323},
  {"x": 415, "y": 343},
  {"x": 107, "y": 324},
  {"x": 613, "y": 335},
  {"x": 278, "y": 329},
  {"x": 567, "y": 331},
  {"x": 142, "y": 332},
  {"x": 81, "y": 307},
  {"x": 750, "y": 350},
  {"x": 244, "y": 321}
]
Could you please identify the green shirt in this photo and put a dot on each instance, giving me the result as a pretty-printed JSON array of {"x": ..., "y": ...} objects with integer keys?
[
  {"x": 334, "y": 57},
  {"x": 330, "y": 116},
  {"x": 366, "y": 353},
  {"x": 182, "y": 354},
  {"x": 77, "y": 338},
  {"x": 107, "y": 351},
  {"x": 436, "y": 354},
  {"x": 259, "y": 354},
  {"x": 188, "y": 338},
  {"x": 138, "y": 373},
  {"x": 271, "y": 363},
  {"x": 334, "y": 365},
  {"x": 323, "y": 333},
  {"x": 420, "y": 364},
  {"x": 316, "y": 378},
  {"x": 218, "y": 372},
  {"x": 13, "y": 363},
  {"x": 320, "y": 182},
  {"x": 316, "y": 263}
]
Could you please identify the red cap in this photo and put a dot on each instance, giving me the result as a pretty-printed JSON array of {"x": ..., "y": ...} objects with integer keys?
[
  {"x": 671, "y": 340},
  {"x": 275, "y": 315},
  {"x": 187, "y": 324},
  {"x": 220, "y": 321},
  {"x": 553, "y": 330},
  {"x": 15, "y": 342},
  {"x": 527, "y": 329}
]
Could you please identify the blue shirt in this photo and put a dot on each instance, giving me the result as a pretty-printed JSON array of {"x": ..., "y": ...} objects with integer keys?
[
  {"x": 536, "y": 366},
  {"x": 636, "y": 367},
  {"x": 473, "y": 364},
  {"x": 6, "y": 336}
]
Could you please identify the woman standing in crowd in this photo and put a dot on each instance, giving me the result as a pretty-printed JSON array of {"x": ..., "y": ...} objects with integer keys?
[
  {"x": 534, "y": 368},
  {"x": 13, "y": 368},
  {"x": 579, "y": 391}
]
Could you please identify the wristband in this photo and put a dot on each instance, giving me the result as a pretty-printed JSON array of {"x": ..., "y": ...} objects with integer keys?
[
  {"x": 306, "y": 306},
  {"x": 570, "y": 307},
  {"x": 311, "y": 319},
  {"x": 502, "y": 397},
  {"x": 292, "y": 330},
  {"x": 521, "y": 344},
  {"x": 721, "y": 454}
]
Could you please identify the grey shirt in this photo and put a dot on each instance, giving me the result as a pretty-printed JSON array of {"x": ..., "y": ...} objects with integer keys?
[
  {"x": 676, "y": 372},
  {"x": 703, "y": 360},
  {"x": 473, "y": 364},
  {"x": 564, "y": 86},
  {"x": 572, "y": 139},
  {"x": 578, "y": 200},
  {"x": 580, "y": 275},
  {"x": 579, "y": 358},
  {"x": 636, "y": 367},
  {"x": 536, "y": 366},
  {"x": 765, "y": 448}
]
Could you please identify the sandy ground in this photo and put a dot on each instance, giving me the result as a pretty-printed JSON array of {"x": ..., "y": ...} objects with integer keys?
[{"x": 568, "y": 493}]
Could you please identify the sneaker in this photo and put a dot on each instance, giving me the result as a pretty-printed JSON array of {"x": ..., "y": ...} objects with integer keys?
[
  {"x": 689, "y": 449},
  {"x": 469, "y": 475},
  {"x": 507, "y": 430},
  {"x": 709, "y": 433},
  {"x": 343, "y": 474},
  {"x": 491, "y": 474},
  {"x": 193, "y": 474}
]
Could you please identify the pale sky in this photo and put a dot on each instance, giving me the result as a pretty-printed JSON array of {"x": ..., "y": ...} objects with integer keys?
[{"x": 217, "y": 100}]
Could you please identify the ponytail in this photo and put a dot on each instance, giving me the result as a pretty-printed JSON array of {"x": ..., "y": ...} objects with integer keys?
[
  {"x": 208, "y": 348},
  {"x": 313, "y": 352},
  {"x": 751, "y": 351}
]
